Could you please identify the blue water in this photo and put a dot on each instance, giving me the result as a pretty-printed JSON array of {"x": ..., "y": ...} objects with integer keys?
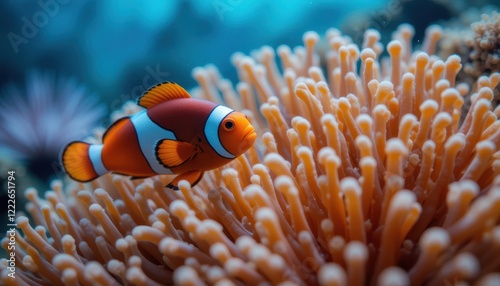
[{"x": 111, "y": 46}]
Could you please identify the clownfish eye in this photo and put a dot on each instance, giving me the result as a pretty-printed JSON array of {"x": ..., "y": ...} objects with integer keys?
[{"x": 229, "y": 125}]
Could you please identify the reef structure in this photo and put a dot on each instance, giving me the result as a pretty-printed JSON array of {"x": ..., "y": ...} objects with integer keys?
[{"x": 362, "y": 175}]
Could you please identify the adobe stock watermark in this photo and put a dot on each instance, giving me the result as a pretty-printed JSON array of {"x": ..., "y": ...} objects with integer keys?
[
  {"x": 224, "y": 6},
  {"x": 153, "y": 76},
  {"x": 32, "y": 25},
  {"x": 379, "y": 19}
]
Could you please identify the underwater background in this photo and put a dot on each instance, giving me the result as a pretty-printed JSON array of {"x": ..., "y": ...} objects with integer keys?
[
  {"x": 66, "y": 64},
  {"x": 115, "y": 51}
]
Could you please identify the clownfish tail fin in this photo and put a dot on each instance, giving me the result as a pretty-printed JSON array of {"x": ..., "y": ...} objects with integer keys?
[{"x": 76, "y": 161}]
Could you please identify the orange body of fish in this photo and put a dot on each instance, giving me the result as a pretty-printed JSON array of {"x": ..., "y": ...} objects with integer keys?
[{"x": 175, "y": 134}]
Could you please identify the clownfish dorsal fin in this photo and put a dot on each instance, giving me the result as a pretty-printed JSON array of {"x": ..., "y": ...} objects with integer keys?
[
  {"x": 114, "y": 127},
  {"x": 171, "y": 153},
  {"x": 162, "y": 92}
]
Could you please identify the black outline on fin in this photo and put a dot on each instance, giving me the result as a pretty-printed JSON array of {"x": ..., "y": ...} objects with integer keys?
[
  {"x": 61, "y": 156},
  {"x": 113, "y": 125},
  {"x": 176, "y": 188},
  {"x": 157, "y": 147},
  {"x": 138, "y": 100}
]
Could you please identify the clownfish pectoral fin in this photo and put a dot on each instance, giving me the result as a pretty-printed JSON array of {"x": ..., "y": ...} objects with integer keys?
[
  {"x": 161, "y": 92},
  {"x": 172, "y": 153},
  {"x": 76, "y": 162},
  {"x": 193, "y": 177}
]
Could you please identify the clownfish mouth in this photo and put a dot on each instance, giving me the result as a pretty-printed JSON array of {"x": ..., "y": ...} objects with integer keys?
[
  {"x": 247, "y": 140},
  {"x": 250, "y": 135}
]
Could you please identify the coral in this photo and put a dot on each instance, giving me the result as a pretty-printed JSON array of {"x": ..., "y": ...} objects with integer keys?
[
  {"x": 37, "y": 124},
  {"x": 485, "y": 55},
  {"x": 478, "y": 46},
  {"x": 477, "y": 42},
  {"x": 361, "y": 175}
]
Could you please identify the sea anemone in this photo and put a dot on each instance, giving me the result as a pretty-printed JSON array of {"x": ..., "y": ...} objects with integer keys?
[
  {"x": 37, "y": 124},
  {"x": 363, "y": 174}
]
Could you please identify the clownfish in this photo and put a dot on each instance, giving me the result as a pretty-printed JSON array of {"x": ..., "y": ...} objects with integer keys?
[{"x": 174, "y": 134}]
